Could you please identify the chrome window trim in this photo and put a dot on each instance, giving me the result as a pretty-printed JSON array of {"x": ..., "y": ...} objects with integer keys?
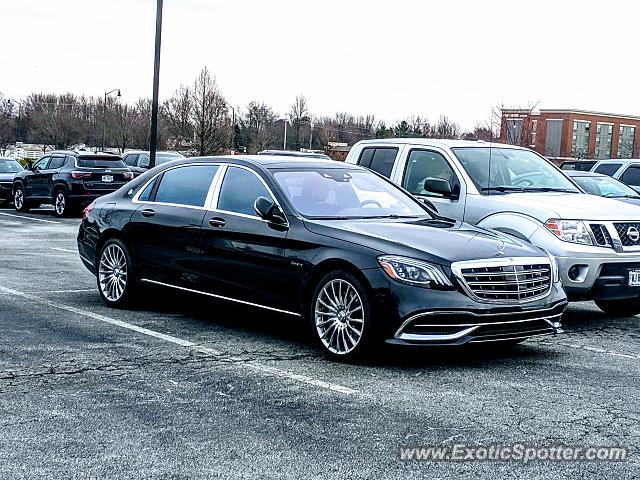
[
  {"x": 210, "y": 192},
  {"x": 457, "y": 267},
  {"x": 221, "y": 297}
]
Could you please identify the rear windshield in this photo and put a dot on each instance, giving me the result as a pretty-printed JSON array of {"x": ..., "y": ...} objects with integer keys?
[{"x": 101, "y": 162}]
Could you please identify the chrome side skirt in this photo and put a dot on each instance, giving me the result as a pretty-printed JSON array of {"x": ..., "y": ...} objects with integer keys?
[{"x": 220, "y": 297}]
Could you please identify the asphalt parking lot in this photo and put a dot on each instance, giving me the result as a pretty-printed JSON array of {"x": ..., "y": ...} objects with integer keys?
[{"x": 183, "y": 387}]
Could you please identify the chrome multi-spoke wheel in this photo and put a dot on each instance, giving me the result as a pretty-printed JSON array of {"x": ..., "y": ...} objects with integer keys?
[
  {"x": 18, "y": 199},
  {"x": 339, "y": 316},
  {"x": 60, "y": 203},
  {"x": 113, "y": 272}
]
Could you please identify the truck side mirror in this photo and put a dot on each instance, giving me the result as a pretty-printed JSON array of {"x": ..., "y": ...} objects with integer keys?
[{"x": 438, "y": 185}]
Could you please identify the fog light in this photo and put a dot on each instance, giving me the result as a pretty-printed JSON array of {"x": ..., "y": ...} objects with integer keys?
[
  {"x": 574, "y": 272},
  {"x": 578, "y": 273}
]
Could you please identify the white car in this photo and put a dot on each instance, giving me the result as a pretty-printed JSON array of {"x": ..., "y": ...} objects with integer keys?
[
  {"x": 518, "y": 192},
  {"x": 627, "y": 171}
]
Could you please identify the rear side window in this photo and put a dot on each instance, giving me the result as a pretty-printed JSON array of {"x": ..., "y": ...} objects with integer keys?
[
  {"x": 379, "y": 159},
  {"x": 239, "y": 191},
  {"x": 632, "y": 176},
  {"x": 186, "y": 185},
  {"x": 56, "y": 162},
  {"x": 608, "y": 168},
  {"x": 130, "y": 160},
  {"x": 101, "y": 162}
]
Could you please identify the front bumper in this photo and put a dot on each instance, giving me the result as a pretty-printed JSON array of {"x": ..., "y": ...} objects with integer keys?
[{"x": 421, "y": 316}]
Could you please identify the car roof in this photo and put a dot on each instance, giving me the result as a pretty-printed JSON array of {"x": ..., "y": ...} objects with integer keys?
[
  {"x": 623, "y": 161},
  {"x": 439, "y": 142},
  {"x": 171, "y": 152},
  {"x": 268, "y": 161},
  {"x": 579, "y": 173}
]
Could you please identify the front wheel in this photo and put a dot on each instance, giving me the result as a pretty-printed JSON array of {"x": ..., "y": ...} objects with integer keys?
[
  {"x": 115, "y": 274},
  {"x": 622, "y": 308},
  {"x": 19, "y": 201},
  {"x": 342, "y": 321}
]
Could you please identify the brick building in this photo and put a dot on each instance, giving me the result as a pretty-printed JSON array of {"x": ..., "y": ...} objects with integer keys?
[{"x": 572, "y": 133}]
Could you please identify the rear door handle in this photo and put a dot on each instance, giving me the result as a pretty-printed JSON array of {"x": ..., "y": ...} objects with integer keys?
[
  {"x": 148, "y": 213},
  {"x": 217, "y": 222}
]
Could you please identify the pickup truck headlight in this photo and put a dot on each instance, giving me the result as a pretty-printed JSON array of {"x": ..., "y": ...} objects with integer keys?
[
  {"x": 413, "y": 272},
  {"x": 574, "y": 231}
]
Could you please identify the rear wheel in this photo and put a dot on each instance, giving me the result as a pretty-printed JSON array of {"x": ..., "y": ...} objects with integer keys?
[
  {"x": 623, "y": 308},
  {"x": 61, "y": 203},
  {"x": 341, "y": 317},
  {"x": 19, "y": 200},
  {"x": 115, "y": 274}
]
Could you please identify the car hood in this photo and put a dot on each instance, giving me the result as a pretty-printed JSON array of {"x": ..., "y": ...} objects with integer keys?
[
  {"x": 7, "y": 177},
  {"x": 570, "y": 206},
  {"x": 436, "y": 241}
]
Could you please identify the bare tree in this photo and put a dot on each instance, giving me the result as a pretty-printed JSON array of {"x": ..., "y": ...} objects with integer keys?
[
  {"x": 209, "y": 115},
  {"x": 445, "y": 128},
  {"x": 8, "y": 123},
  {"x": 177, "y": 114},
  {"x": 257, "y": 127},
  {"x": 516, "y": 125},
  {"x": 299, "y": 116}
]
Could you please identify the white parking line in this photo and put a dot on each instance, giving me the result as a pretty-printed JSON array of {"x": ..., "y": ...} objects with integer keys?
[
  {"x": 28, "y": 218},
  {"x": 586, "y": 348},
  {"x": 272, "y": 371}
]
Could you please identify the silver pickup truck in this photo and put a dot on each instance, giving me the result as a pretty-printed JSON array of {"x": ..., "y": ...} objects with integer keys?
[{"x": 516, "y": 191}]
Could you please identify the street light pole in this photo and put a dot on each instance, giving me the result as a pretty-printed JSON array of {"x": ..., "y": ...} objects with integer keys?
[
  {"x": 153, "y": 137},
  {"x": 284, "y": 144},
  {"x": 104, "y": 115}
]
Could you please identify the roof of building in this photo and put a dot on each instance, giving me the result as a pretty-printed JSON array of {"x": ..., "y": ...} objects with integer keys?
[{"x": 439, "y": 142}]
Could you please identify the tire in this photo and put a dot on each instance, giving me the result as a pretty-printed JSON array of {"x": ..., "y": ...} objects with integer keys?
[
  {"x": 61, "y": 206},
  {"x": 116, "y": 283},
  {"x": 20, "y": 202},
  {"x": 622, "y": 308},
  {"x": 341, "y": 319}
]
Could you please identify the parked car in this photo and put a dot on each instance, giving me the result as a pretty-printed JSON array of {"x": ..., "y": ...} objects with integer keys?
[
  {"x": 8, "y": 169},
  {"x": 295, "y": 153},
  {"x": 579, "y": 165},
  {"x": 627, "y": 171},
  {"x": 604, "y": 186},
  {"x": 138, "y": 160},
  {"x": 516, "y": 191},
  {"x": 335, "y": 244},
  {"x": 68, "y": 180}
]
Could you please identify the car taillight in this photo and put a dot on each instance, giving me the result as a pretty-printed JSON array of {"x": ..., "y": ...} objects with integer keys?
[
  {"x": 87, "y": 210},
  {"x": 78, "y": 175},
  {"x": 128, "y": 175}
]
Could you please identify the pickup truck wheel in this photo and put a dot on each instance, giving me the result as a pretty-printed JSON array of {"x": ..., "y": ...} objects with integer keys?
[{"x": 623, "y": 308}]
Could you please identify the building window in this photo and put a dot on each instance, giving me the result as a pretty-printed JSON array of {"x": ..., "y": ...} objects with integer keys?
[
  {"x": 514, "y": 131},
  {"x": 580, "y": 143},
  {"x": 626, "y": 141},
  {"x": 604, "y": 132},
  {"x": 534, "y": 132}
]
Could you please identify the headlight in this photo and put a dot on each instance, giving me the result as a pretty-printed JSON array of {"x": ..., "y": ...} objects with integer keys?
[
  {"x": 555, "y": 269},
  {"x": 575, "y": 231},
  {"x": 413, "y": 272}
]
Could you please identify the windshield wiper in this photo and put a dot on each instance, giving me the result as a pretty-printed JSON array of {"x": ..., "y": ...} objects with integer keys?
[
  {"x": 502, "y": 188},
  {"x": 549, "y": 189},
  {"x": 611, "y": 195}
]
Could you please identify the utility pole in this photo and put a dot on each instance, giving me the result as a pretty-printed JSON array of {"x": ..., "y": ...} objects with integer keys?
[
  {"x": 153, "y": 137},
  {"x": 284, "y": 144}
]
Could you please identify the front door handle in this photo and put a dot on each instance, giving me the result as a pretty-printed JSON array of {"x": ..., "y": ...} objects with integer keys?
[
  {"x": 217, "y": 222},
  {"x": 148, "y": 213}
]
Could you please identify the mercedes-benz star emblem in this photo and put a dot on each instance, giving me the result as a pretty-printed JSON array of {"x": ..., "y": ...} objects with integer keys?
[
  {"x": 500, "y": 247},
  {"x": 633, "y": 234}
]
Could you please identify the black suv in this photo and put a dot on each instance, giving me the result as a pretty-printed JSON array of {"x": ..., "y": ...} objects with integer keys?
[
  {"x": 69, "y": 180},
  {"x": 138, "y": 160}
]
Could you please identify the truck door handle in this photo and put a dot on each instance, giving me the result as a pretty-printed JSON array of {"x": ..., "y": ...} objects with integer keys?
[
  {"x": 148, "y": 213},
  {"x": 217, "y": 222}
]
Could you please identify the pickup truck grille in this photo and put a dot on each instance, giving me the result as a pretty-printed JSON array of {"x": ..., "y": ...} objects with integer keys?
[
  {"x": 629, "y": 233},
  {"x": 507, "y": 282},
  {"x": 601, "y": 235}
]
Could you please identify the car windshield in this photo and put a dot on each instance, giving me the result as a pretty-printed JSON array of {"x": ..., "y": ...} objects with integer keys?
[
  {"x": 10, "y": 166},
  {"x": 341, "y": 193},
  {"x": 506, "y": 170},
  {"x": 605, "y": 187}
]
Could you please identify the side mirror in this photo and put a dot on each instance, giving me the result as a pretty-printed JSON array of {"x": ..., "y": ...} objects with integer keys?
[
  {"x": 29, "y": 166},
  {"x": 269, "y": 211},
  {"x": 439, "y": 185}
]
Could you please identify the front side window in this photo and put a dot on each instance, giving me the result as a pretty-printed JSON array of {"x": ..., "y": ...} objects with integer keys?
[
  {"x": 240, "y": 190},
  {"x": 507, "y": 170},
  {"x": 340, "y": 193},
  {"x": 424, "y": 164},
  {"x": 186, "y": 185},
  {"x": 632, "y": 176},
  {"x": 608, "y": 168},
  {"x": 41, "y": 164}
]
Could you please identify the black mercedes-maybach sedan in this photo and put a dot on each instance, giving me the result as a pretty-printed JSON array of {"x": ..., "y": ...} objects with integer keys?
[{"x": 336, "y": 245}]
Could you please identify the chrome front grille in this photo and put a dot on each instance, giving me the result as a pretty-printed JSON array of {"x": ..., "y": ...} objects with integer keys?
[
  {"x": 505, "y": 280},
  {"x": 629, "y": 233},
  {"x": 601, "y": 234}
]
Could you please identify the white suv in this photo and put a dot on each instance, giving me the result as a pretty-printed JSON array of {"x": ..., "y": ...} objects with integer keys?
[{"x": 516, "y": 191}]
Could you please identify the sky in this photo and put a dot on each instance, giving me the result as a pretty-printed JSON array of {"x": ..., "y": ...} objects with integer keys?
[{"x": 389, "y": 58}]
